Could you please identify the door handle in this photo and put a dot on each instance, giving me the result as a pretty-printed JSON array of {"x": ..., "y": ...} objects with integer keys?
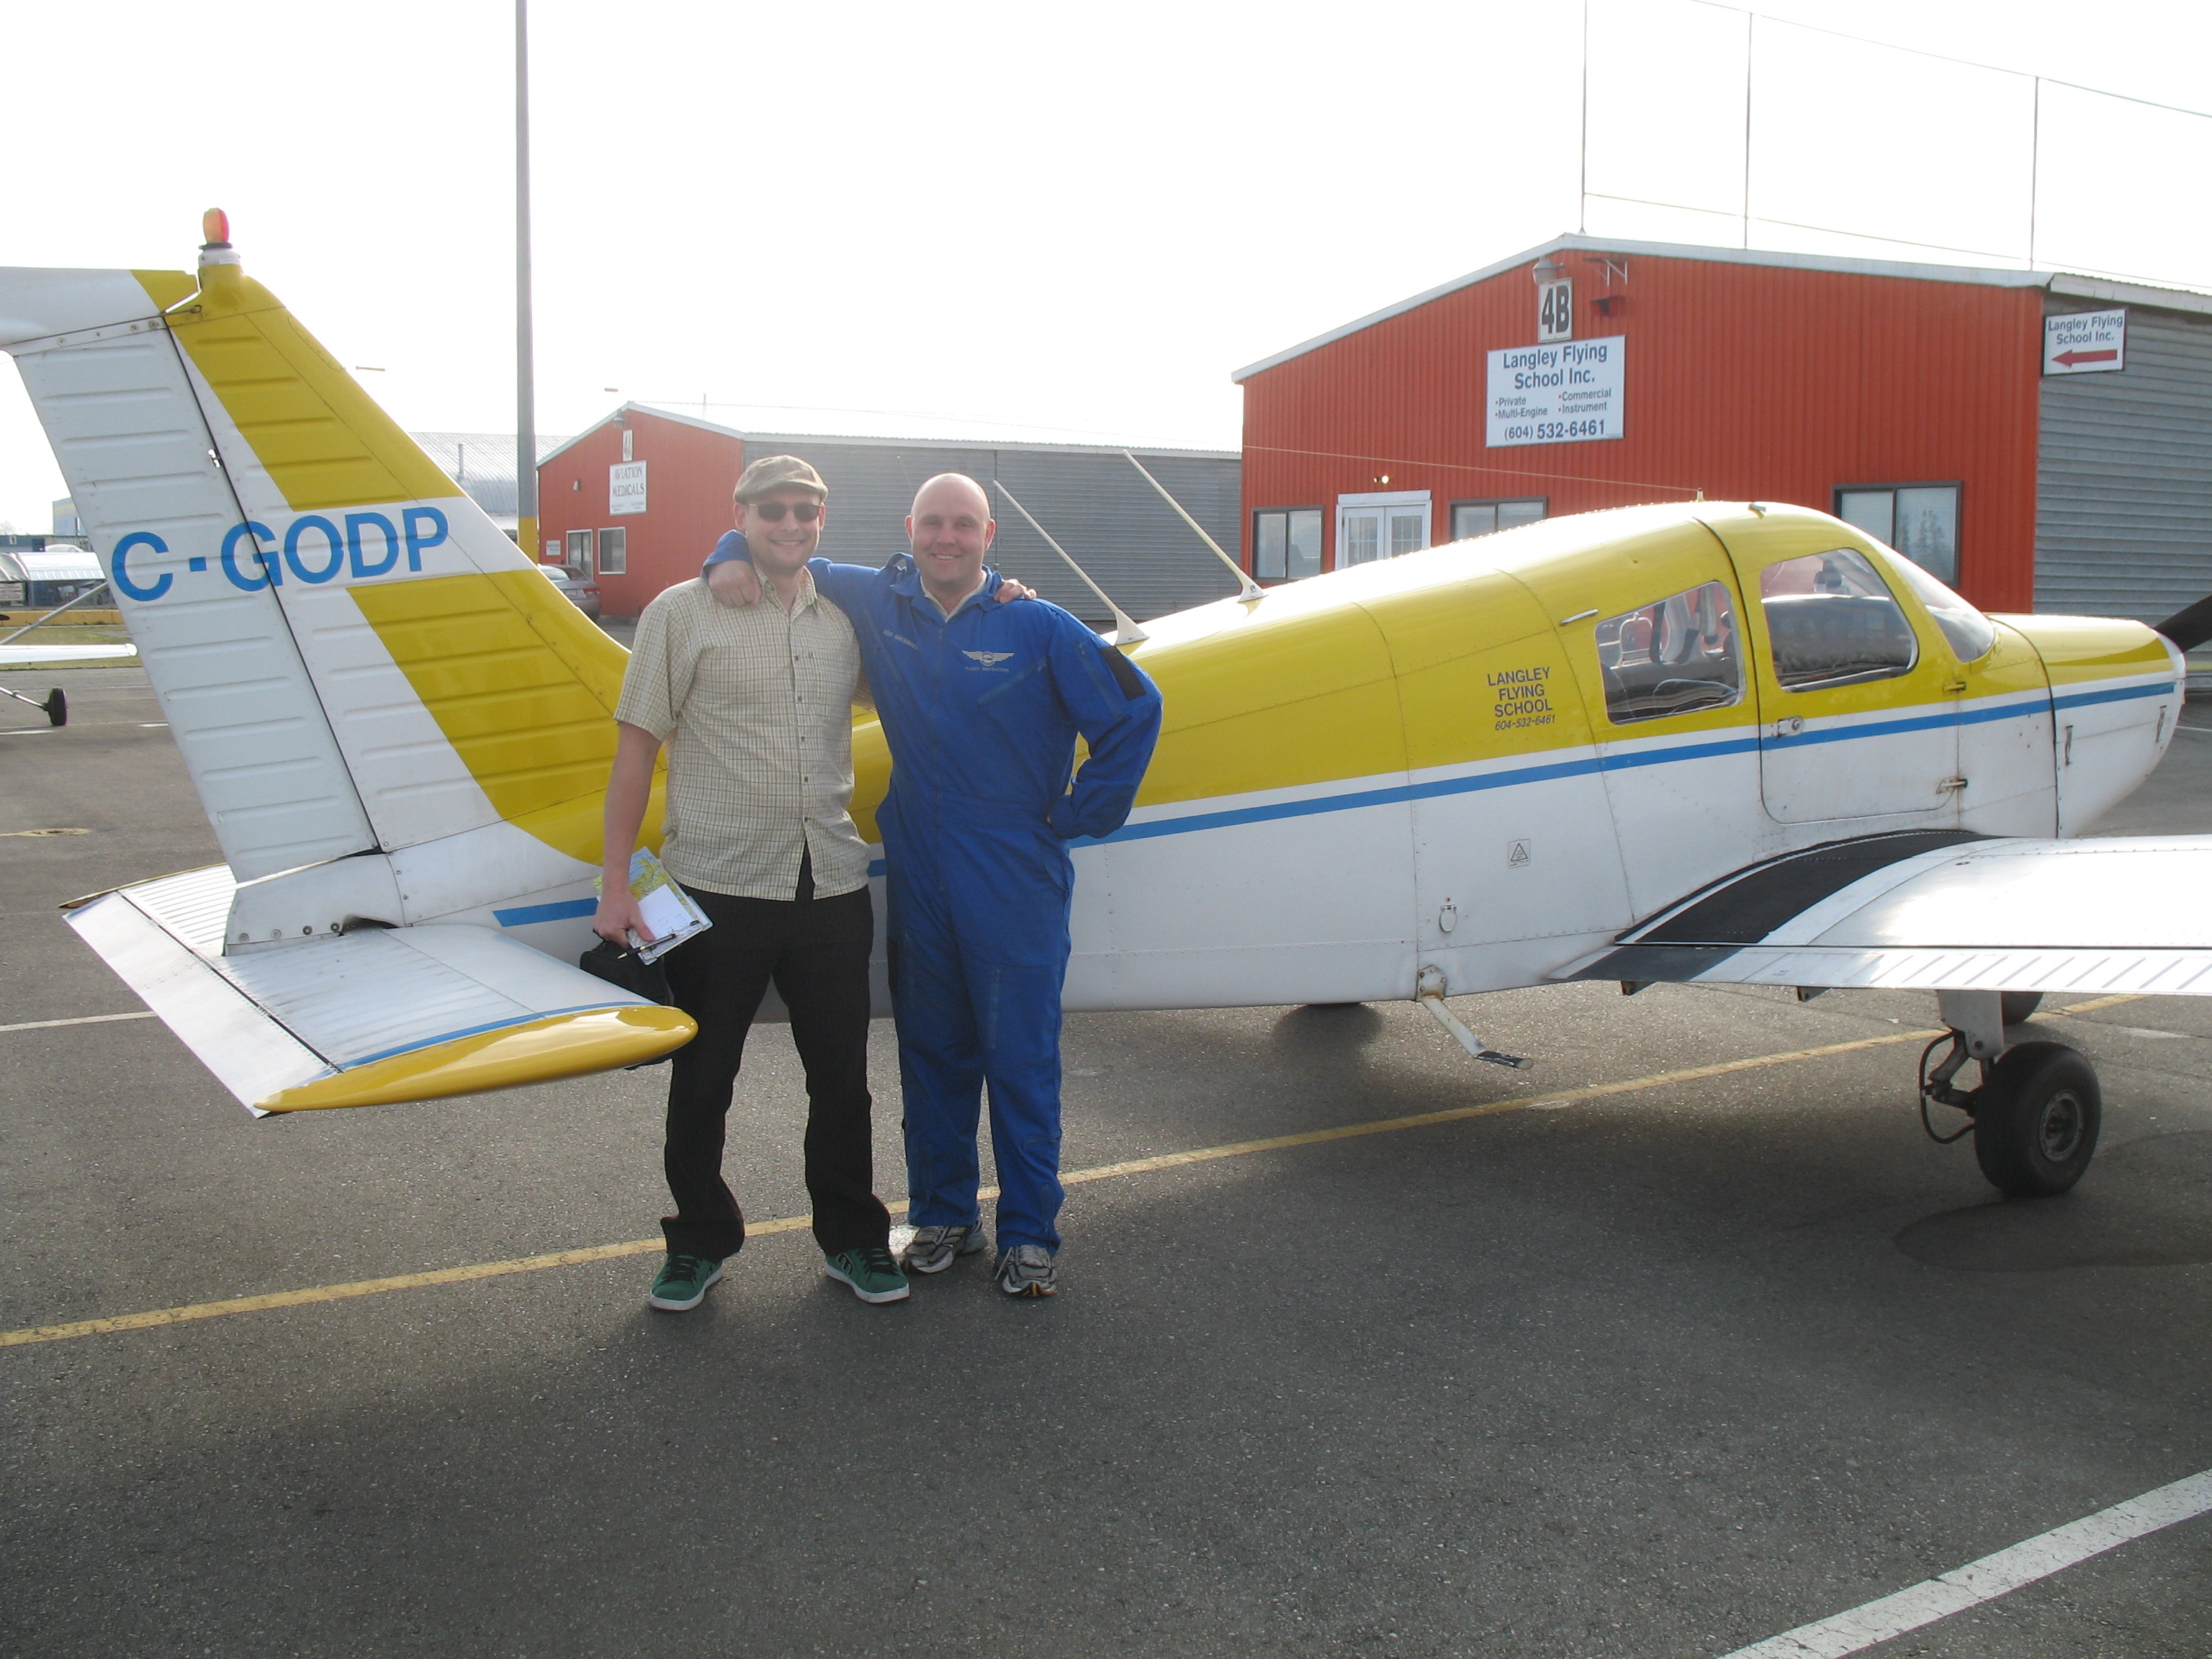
[{"x": 1955, "y": 687}]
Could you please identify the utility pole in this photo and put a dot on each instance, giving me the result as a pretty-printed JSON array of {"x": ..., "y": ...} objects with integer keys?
[{"x": 525, "y": 351}]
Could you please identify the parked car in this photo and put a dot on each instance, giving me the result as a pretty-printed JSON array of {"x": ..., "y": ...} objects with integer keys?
[{"x": 581, "y": 591}]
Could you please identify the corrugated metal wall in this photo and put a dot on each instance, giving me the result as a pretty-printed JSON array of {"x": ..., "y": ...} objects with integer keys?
[
  {"x": 1094, "y": 503},
  {"x": 1760, "y": 382},
  {"x": 2123, "y": 509}
]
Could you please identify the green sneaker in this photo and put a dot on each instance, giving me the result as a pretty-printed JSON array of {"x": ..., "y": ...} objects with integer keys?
[
  {"x": 683, "y": 1282},
  {"x": 871, "y": 1272}
]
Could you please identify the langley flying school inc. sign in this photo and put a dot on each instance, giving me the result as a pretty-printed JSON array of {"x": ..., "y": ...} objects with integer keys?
[{"x": 1570, "y": 392}]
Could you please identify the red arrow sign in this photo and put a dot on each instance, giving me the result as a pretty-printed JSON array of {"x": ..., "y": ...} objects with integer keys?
[{"x": 2070, "y": 358}]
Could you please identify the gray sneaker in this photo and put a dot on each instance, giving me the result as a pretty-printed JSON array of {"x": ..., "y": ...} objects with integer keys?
[
  {"x": 1028, "y": 1270},
  {"x": 930, "y": 1250}
]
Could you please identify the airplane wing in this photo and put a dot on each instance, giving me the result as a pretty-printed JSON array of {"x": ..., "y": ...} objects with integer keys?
[
  {"x": 1942, "y": 911},
  {"x": 360, "y": 1019}
]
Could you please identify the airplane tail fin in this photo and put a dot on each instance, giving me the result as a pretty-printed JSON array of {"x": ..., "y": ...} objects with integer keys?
[
  {"x": 352, "y": 657},
  {"x": 395, "y": 721}
]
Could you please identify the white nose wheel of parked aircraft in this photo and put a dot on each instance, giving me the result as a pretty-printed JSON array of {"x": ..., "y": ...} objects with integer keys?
[{"x": 2036, "y": 1115}]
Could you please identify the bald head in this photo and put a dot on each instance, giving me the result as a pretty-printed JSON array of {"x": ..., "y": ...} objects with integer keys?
[
  {"x": 950, "y": 491},
  {"x": 949, "y": 529}
]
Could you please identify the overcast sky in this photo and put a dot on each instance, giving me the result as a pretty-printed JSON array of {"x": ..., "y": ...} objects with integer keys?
[{"x": 1023, "y": 220}]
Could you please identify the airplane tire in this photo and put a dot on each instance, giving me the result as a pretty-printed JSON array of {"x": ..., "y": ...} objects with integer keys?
[
  {"x": 2019, "y": 1006},
  {"x": 2036, "y": 1120}
]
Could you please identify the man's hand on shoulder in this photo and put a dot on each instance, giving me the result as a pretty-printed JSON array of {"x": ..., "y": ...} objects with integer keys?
[
  {"x": 734, "y": 582},
  {"x": 1011, "y": 590}
]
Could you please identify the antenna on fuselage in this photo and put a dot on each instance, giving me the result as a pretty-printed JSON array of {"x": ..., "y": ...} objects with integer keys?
[
  {"x": 1126, "y": 631},
  {"x": 1246, "y": 588}
]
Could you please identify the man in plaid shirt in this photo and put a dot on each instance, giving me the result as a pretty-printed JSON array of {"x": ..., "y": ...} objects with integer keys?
[{"x": 756, "y": 705}]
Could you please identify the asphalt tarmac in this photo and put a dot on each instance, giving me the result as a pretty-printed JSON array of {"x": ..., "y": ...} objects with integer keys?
[{"x": 1663, "y": 1371}]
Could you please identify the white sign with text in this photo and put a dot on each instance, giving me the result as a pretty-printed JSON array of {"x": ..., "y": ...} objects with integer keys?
[
  {"x": 626, "y": 487},
  {"x": 2085, "y": 343},
  {"x": 1557, "y": 394}
]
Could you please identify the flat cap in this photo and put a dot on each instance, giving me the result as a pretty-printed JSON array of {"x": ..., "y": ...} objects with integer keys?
[{"x": 777, "y": 472}]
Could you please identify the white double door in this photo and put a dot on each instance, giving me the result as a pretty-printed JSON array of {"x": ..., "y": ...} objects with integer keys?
[{"x": 1381, "y": 526}]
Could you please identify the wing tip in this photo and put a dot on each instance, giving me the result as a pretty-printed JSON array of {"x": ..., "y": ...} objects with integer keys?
[{"x": 539, "y": 1051}]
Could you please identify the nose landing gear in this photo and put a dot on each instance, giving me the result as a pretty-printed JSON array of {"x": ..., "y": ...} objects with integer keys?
[{"x": 2036, "y": 1115}]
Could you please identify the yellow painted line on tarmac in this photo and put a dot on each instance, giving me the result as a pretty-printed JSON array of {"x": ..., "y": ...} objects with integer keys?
[{"x": 531, "y": 1264}]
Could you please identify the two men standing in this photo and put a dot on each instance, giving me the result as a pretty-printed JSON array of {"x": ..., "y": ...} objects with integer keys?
[{"x": 981, "y": 702}]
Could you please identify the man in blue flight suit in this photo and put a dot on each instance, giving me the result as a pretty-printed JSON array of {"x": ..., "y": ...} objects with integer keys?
[{"x": 981, "y": 703}]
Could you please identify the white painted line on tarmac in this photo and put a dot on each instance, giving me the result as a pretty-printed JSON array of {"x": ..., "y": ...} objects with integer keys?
[
  {"x": 1990, "y": 1577},
  {"x": 88, "y": 1019}
]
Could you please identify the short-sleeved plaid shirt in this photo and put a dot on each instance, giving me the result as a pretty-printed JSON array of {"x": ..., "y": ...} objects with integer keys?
[{"x": 760, "y": 766}]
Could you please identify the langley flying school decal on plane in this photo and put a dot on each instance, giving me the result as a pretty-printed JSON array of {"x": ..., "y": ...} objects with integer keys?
[{"x": 1761, "y": 748}]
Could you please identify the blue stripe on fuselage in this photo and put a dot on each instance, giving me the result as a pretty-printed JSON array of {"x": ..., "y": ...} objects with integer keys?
[{"x": 1397, "y": 794}]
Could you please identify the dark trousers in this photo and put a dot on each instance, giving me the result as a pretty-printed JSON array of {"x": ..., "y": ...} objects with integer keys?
[{"x": 816, "y": 949}]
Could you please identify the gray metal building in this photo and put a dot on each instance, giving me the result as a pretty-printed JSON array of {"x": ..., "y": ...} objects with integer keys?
[
  {"x": 2124, "y": 477},
  {"x": 1091, "y": 501}
]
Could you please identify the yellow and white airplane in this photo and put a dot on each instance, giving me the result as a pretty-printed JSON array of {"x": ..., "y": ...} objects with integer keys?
[{"x": 1713, "y": 743}]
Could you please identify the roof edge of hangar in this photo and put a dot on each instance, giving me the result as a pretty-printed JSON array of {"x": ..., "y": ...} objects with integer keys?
[
  {"x": 2057, "y": 282},
  {"x": 879, "y": 440}
]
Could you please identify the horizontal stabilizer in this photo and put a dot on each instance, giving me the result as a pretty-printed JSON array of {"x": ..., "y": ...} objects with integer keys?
[
  {"x": 2127, "y": 914},
  {"x": 366, "y": 1017}
]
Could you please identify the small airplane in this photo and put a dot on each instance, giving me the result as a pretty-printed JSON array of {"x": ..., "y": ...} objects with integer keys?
[{"x": 1709, "y": 743}]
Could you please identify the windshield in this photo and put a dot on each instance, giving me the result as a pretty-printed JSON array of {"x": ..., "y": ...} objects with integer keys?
[{"x": 1971, "y": 633}]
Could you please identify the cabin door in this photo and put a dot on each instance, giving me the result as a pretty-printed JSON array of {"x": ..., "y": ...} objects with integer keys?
[{"x": 1858, "y": 705}]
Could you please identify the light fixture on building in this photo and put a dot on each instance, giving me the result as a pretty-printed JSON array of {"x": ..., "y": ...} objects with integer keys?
[{"x": 1549, "y": 269}]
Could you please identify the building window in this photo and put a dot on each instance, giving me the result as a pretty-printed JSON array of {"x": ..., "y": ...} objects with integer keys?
[
  {"x": 1919, "y": 521},
  {"x": 579, "y": 552},
  {"x": 1374, "y": 526},
  {"x": 1481, "y": 518},
  {"x": 1287, "y": 544},
  {"x": 614, "y": 552}
]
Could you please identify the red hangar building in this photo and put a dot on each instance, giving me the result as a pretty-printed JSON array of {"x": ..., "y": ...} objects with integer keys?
[
  {"x": 2040, "y": 440},
  {"x": 637, "y": 501}
]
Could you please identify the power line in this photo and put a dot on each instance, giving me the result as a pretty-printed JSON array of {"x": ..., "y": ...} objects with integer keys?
[{"x": 1945, "y": 57}]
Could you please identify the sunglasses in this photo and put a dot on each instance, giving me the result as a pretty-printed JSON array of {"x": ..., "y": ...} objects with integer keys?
[{"x": 805, "y": 511}]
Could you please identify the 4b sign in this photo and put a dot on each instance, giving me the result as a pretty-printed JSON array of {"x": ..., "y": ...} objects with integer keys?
[{"x": 1555, "y": 312}]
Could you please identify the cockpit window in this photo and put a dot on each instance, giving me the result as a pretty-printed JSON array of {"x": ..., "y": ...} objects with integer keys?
[
  {"x": 1672, "y": 657},
  {"x": 1970, "y": 633},
  {"x": 1832, "y": 622}
]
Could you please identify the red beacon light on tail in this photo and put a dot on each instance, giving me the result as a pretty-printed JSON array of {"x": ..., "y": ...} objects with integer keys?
[{"x": 215, "y": 225}]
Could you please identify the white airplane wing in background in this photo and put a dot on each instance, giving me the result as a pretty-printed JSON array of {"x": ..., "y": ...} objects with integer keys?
[{"x": 1940, "y": 910}]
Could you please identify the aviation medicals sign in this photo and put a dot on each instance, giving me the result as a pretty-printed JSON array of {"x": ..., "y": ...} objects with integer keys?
[
  {"x": 1566, "y": 394},
  {"x": 626, "y": 487}
]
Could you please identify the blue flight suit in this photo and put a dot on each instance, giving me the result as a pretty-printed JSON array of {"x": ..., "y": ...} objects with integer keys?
[{"x": 981, "y": 711}]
